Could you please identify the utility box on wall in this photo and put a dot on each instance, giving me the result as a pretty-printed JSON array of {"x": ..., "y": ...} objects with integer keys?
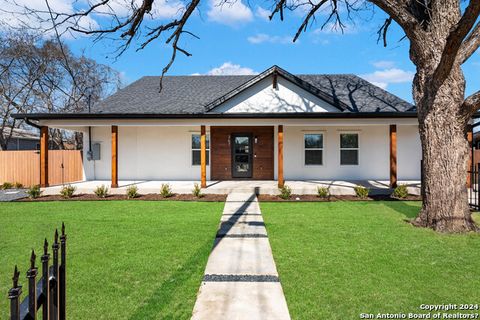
[{"x": 96, "y": 151}]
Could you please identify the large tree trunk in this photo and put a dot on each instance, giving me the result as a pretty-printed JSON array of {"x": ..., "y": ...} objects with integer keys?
[{"x": 443, "y": 132}]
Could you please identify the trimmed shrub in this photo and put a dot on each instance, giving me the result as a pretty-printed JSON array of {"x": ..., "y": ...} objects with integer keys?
[
  {"x": 323, "y": 192},
  {"x": 67, "y": 191},
  {"x": 101, "y": 191},
  {"x": 166, "y": 190},
  {"x": 197, "y": 191},
  {"x": 18, "y": 185},
  {"x": 132, "y": 192},
  {"x": 361, "y": 192},
  {"x": 285, "y": 192},
  {"x": 400, "y": 192},
  {"x": 6, "y": 185},
  {"x": 34, "y": 192}
]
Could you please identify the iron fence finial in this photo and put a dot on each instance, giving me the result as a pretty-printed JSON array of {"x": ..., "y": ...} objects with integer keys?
[
  {"x": 45, "y": 247},
  {"x": 63, "y": 229},
  {"x": 56, "y": 236},
  {"x": 16, "y": 275},
  {"x": 32, "y": 260}
]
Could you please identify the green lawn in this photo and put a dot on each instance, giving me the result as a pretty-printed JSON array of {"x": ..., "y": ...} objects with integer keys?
[
  {"x": 126, "y": 259},
  {"x": 337, "y": 260}
]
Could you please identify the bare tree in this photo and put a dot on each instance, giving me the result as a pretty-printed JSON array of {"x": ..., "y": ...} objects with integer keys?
[
  {"x": 443, "y": 34},
  {"x": 69, "y": 83},
  {"x": 19, "y": 73},
  {"x": 39, "y": 75}
]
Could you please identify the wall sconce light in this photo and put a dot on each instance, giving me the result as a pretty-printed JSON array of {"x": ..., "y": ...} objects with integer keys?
[{"x": 256, "y": 139}]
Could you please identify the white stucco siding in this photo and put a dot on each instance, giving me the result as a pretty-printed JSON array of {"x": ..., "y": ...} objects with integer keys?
[
  {"x": 263, "y": 98},
  {"x": 374, "y": 154},
  {"x": 164, "y": 153},
  {"x": 145, "y": 153},
  {"x": 409, "y": 153},
  {"x": 99, "y": 169}
]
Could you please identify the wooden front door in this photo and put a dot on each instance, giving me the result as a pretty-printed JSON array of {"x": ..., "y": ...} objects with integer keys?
[
  {"x": 242, "y": 155},
  {"x": 256, "y": 163}
]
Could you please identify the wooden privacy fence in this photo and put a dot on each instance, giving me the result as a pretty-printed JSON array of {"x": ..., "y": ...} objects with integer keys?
[
  {"x": 64, "y": 166},
  {"x": 49, "y": 293}
]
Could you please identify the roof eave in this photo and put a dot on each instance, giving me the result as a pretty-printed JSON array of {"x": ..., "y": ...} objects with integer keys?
[{"x": 296, "y": 115}]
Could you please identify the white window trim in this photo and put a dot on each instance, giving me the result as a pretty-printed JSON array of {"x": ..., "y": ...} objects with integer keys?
[
  {"x": 192, "y": 149},
  {"x": 340, "y": 148},
  {"x": 323, "y": 149}
]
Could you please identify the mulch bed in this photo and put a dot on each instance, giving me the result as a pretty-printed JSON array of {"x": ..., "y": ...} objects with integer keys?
[
  {"x": 314, "y": 198},
  {"x": 144, "y": 197},
  {"x": 220, "y": 198}
]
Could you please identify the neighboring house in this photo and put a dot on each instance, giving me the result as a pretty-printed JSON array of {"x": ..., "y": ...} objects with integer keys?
[
  {"x": 476, "y": 140},
  {"x": 272, "y": 126},
  {"x": 22, "y": 139}
]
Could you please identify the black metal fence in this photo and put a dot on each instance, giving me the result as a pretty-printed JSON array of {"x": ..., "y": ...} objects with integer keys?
[
  {"x": 474, "y": 188},
  {"x": 49, "y": 293}
]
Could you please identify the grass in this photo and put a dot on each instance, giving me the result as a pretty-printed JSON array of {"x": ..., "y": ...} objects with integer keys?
[
  {"x": 126, "y": 259},
  {"x": 337, "y": 260}
]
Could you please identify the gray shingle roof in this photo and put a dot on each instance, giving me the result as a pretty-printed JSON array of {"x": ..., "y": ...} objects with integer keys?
[{"x": 191, "y": 94}]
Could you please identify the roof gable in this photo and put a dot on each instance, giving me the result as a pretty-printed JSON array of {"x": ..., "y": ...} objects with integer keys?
[
  {"x": 265, "y": 97},
  {"x": 278, "y": 72}
]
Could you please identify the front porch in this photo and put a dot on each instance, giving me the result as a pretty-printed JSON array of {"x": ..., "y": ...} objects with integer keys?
[
  {"x": 327, "y": 152},
  {"x": 342, "y": 187}
]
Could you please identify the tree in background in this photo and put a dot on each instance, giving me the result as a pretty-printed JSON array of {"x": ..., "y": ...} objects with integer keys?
[
  {"x": 443, "y": 34},
  {"x": 38, "y": 75}
]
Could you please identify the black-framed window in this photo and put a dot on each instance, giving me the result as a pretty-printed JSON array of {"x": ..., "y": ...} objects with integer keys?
[
  {"x": 349, "y": 148},
  {"x": 313, "y": 143},
  {"x": 196, "y": 149}
]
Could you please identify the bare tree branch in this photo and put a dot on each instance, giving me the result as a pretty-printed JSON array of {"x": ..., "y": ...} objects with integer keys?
[
  {"x": 176, "y": 37},
  {"x": 382, "y": 32},
  {"x": 57, "y": 35},
  {"x": 280, "y": 5},
  {"x": 471, "y": 44},
  {"x": 454, "y": 42},
  {"x": 472, "y": 103},
  {"x": 397, "y": 10},
  {"x": 311, "y": 13}
]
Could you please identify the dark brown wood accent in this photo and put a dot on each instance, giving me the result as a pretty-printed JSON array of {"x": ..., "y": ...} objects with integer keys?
[
  {"x": 393, "y": 155},
  {"x": 44, "y": 156},
  {"x": 114, "y": 157},
  {"x": 221, "y": 152},
  {"x": 281, "y": 180},
  {"x": 472, "y": 154},
  {"x": 203, "y": 156},
  {"x": 275, "y": 81}
]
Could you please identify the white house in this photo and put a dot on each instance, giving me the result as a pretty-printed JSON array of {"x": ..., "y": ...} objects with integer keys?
[{"x": 272, "y": 126}]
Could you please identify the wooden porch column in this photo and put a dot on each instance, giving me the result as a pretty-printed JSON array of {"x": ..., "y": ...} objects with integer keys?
[
  {"x": 114, "y": 156},
  {"x": 281, "y": 181},
  {"x": 203, "y": 156},
  {"x": 44, "y": 156},
  {"x": 393, "y": 155}
]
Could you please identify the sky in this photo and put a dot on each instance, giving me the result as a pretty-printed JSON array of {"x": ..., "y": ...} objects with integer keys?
[{"x": 239, "y": 38}]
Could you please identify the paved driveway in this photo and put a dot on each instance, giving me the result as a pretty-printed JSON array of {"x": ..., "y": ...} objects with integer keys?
[{"x": 12, "y": 194}]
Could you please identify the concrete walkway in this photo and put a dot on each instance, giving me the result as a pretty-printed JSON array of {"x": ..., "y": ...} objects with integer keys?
[{"x": 241, "y": 279}]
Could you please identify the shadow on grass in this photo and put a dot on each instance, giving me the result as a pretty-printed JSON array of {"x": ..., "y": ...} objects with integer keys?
[
  {"x": 159, "y": 305},
  {"x": 407, "y": 208}
]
